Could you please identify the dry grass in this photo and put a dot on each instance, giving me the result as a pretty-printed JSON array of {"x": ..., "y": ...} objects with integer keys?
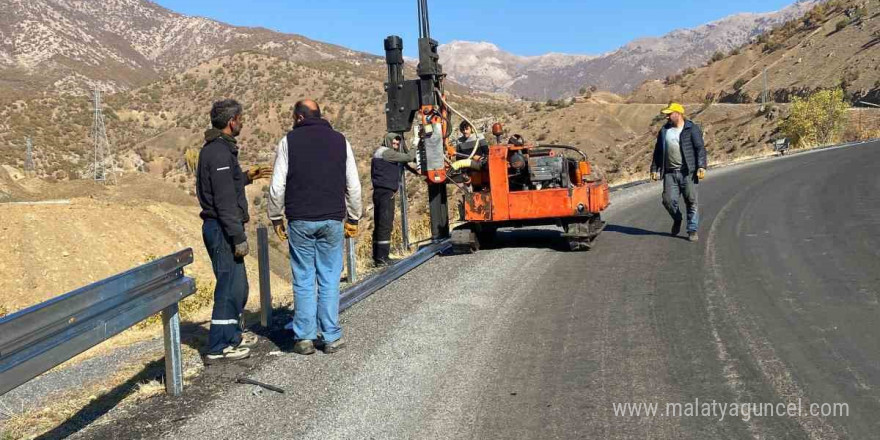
[
  {"x": 419, "y": 230},
  {"x": 189, "y": 308},
  {"x": 67, "y": 406},
  {"x": 3, "y": 311}
]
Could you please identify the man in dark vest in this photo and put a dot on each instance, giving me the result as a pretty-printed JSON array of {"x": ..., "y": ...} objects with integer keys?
[
  {"x": 220, "y": 186},
  {"x": 680, "y": 160},
  {"x": 385, "y": 174},
  {"x": 315, "y": 184}
]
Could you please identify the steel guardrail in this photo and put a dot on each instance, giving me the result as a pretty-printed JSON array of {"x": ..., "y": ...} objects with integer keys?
[
  {"x": 41, "y": 337},
  {"x": 371, "y": 285}
]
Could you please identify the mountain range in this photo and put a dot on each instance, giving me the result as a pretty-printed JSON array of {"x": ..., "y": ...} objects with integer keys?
[
  {"x": 67, "y": 45},
  {"x": 486, "y": 67}
]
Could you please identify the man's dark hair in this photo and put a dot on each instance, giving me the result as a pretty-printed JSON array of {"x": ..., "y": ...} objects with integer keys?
[
  {"x": 224, "y": 111},
  {"x": 463, "y": 125},
  {"x": 304, "y": 110}
]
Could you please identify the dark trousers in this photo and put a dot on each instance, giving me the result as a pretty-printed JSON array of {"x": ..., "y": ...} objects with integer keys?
[
  {"x": 676, "y": 185},
  {"x": 383, "y": 210},
  {"x": 231, "y": 291}
]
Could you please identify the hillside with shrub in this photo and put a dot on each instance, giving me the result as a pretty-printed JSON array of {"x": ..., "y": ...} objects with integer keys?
[{"x": 835, "y": 45}]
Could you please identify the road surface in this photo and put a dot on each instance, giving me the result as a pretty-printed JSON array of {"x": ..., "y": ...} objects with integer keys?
[{"x": 777, "y": 304}]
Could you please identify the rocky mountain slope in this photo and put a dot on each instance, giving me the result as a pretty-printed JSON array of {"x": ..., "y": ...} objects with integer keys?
[
  {"x": 486, "y": 67},
  {"x": 63, "y": 45},
  {"x": 837, "y": 44}
]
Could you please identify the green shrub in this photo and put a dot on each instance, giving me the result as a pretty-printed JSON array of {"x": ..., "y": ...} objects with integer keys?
[
  {"x": 817, "y": 120},
  {"x": 739, "y": 84},
  {"x": 841, "y": 24}
]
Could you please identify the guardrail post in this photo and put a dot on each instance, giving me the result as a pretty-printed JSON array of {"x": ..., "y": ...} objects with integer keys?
[
  {"x": 173, "y": 362},
  {"x": 351, "y": 259},
  {"x": 404, "y": 212},
  {"x": 265, "y": 286}
]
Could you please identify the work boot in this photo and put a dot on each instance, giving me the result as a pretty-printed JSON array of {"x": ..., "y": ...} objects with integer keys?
[
  {"x": 693, "y": 237},
  {"x": 228, "y": 354},
  {"x": 304, "y": 347},
  {"x": 387, "y": 261},
  {"x": 381, "y": 254},
  {"x": 676, "y": 227},
  {"x": 248, "y": 339},
  {"x": 334, "y": 346}
]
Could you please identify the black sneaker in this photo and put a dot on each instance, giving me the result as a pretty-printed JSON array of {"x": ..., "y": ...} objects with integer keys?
[
  {"x": 676, "y": 227},
  {"x": 304, "y": 347},
  {"x": 229, "y": 354},
  {"x": 334, "y": 346},
  {"x": 693, "y": 237}
]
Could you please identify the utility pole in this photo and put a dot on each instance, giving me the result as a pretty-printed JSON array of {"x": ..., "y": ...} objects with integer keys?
[
  {"x": 103, "y": 156},
  {"x": 764, "y": 92},
  {"x": 29, "y": 157}
]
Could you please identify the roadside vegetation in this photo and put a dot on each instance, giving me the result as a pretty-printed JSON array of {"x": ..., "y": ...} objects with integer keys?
[{"x": 817, "y": 120}]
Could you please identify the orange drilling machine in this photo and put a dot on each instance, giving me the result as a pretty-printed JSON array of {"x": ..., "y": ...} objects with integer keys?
[{"x": 509, "y": 184}]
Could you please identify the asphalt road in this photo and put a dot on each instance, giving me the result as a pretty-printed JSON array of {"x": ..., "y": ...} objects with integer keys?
[{"x": 778, "y": 303}]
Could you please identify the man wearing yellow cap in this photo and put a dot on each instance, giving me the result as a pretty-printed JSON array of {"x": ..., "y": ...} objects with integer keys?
[{"x": 680, "y": 161}]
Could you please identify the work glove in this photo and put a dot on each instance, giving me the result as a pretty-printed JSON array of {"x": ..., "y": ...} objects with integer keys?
[
  {"x": 701, "y": 173},
  {"x": 280, "y": 230},
  {"x": 351, "y": 229},
  {"x": 655, "y": 175},
  {"x": 259, "y": 172},
  {"x": 459, "y": 164},
  {"x": 241, "y": 249}
]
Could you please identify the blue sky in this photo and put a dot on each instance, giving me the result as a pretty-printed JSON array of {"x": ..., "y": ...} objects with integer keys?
[{"x": 523, "y": 27}]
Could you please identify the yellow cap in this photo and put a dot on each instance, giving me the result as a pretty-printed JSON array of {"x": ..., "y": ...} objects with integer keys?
[{"x": 673, "y": 108}]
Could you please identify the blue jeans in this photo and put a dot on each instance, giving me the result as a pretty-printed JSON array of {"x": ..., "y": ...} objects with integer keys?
[
  {"x": 316, "y": 255},
  {"x": 675, "y": 185},
  {"x": 231, "y": 291}
]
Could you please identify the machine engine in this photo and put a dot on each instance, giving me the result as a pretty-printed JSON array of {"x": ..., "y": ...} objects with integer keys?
[{"x": 546, "y": 169}]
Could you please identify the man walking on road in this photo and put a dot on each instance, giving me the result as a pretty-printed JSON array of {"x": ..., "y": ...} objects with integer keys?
[
  {"x": 315, "y": 185},
  {"x": 680, "y": 160},
  {"x": 220, "y": 186},
  {"x": 385, "y": 175}
]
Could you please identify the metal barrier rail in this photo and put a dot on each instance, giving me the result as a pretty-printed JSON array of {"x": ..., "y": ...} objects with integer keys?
[
  {"x": 39, "y": 338},
  {"x": 354, "y": 293},
  {"x": 371, "y": 285}
]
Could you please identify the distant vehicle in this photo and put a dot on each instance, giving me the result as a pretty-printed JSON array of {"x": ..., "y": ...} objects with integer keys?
[{"x": 781, "y": 146}]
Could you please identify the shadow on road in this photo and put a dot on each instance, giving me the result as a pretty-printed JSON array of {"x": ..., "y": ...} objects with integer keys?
[
  {"x": 194, "y": 335},
  {"x": 529, "y": 238},
  {"x": 100, "y": 406},
  {"x": 629, "y": 230},
  {"x": 639, "y": 232}
]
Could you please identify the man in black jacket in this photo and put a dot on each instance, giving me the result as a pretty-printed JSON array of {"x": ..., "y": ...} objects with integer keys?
[
  {"x": 220, "y": 186},
  {"x": 680, "y": 160},
  {"x": 385, "y": 175}
]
